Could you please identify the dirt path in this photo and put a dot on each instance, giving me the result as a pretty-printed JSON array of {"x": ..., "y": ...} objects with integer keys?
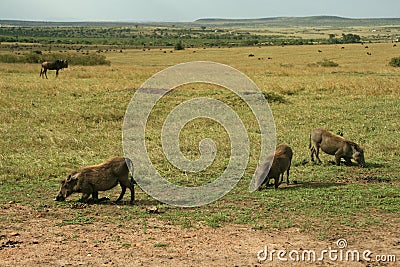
[{"x": 40, "y": 241}]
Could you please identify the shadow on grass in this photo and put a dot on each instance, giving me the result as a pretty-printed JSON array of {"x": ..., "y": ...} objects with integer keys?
[
  {"x": 368, "y": 165},
  {"x": 296, "y": 185},
  {"x": 313, "y": 185},
  {"x": 137, "y": 202},
  {"x": 76, "y": 204},
  {"x": 371, "y": 165}
]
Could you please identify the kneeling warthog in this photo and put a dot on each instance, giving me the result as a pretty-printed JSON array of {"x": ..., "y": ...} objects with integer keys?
[
  {"x": 281, "y": 164},
  {"x": 333, "y": 144},
  {"x": 92, "y": 179}
]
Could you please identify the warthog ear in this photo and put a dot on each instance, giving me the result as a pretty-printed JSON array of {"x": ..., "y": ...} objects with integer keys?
[{"x": 356, "y": 148}]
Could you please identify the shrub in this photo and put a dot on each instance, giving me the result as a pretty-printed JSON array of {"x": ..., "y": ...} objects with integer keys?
[
  {"x": 74, "y": 59},
  {"x": 273, "y": 97},
  {"x": 395, "y": 62},
  {"x": 32, "y": 58},
  {"x": 327, "y": 63},
  {"x": 89, "y": 60},
  {"x": 9, "y": 58},
  {"x": 350, "y": 38},
  {"x": 179, "y": 46}
]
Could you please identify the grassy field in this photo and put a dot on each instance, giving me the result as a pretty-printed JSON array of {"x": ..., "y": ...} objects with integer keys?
[{"x": 49, "y": 127}]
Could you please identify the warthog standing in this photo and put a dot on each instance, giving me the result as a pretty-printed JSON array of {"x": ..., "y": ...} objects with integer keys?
[
  {"x": 280, "y": 164},
  {"x": 333, "y": 144},
  {"x": 53, "y": 65},
  {"x": 92, "y": 179}
]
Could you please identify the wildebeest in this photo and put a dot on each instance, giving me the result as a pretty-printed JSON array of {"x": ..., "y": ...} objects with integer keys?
[
  {"x": 53, "y": 65},
  {"x": 92, "y": 179},
  {"x": 336, "y": 145},
  {"x": 280, "y": 164}
]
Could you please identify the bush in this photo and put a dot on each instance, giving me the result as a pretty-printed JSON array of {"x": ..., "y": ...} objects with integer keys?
[
  {"x": 9, "y": 58},
  {"x": 74, "y": 59},
  {"x": 350, "y": 38},
  {"x": 395, "y": 62},
  {"x": 273, "y": 97},
  {"x": 89, "y": 60},
  {"x": 327, "y": 63},
  {"x": 32, "y": 58},
  {"x": 179, "y": 46}
]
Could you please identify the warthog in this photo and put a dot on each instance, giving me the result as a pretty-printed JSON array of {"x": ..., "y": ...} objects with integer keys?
[
  {"x": 333, "y": 144},
  {"x": 280, "y": 164},
  {"x": 53, "y": 65},
  {"x": 92, "y": 179}
]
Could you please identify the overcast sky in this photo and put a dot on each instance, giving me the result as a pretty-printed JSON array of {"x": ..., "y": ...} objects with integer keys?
[{"x": 189, "y": 10}]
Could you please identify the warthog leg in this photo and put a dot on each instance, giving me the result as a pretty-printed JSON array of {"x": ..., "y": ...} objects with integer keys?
[
  {"x": 276, "y": 181},
  {"x": 131, "y": 188},
  {"x": 287, "y": 176},
  {"x": 337, "y": 158},
  {"x": 348, "y": 161},
  {"x": 85, "y": 197},
  {"x": 315, "y": 150},
  {"x": 123, "y": 187}
]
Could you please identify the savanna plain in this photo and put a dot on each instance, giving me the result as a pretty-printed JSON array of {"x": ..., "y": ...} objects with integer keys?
[{"x": 52, "y": 126}]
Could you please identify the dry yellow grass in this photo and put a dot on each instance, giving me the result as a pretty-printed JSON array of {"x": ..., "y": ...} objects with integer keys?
[{"x": 49, "y": 127}]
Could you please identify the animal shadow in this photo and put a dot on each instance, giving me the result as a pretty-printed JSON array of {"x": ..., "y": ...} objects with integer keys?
[
  {"x": 296, "y": 185},
  {"x": 371, "y": 165},
  {"x": 141, "y": 202}
]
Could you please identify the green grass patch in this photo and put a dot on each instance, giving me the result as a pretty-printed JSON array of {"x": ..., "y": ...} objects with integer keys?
[
  {"x": 50, "y": 127},
  {"x": 160, "y": 245},
  {"x": 78, "y": 220}
]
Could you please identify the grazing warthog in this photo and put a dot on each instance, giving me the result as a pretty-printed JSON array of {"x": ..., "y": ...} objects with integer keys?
[
  {"x": 53, "y": 65},
  {"x": 281, "y": 164},
  {"x": 333, "y": 144},
  {"x": 92, "y": 179}
]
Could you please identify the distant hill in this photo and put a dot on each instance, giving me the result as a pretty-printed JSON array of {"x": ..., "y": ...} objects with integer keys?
[{"x": 312, "y": 21}]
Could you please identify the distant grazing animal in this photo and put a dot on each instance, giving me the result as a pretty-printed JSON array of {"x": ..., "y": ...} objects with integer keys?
[
  {"x": 53, "y": 65},
  {"x": 282, "y": 161},
  {"x": 336, "y": 145},
  {"x": 92, "y": 179}
]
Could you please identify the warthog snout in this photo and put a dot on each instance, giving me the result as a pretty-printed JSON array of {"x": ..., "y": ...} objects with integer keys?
[
  {"x": 359, "y": 158},
  {"x": 59, "y": 197}
]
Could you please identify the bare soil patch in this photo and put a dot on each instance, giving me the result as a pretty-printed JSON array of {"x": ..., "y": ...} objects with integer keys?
[{"x": 36, "y": 238}]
